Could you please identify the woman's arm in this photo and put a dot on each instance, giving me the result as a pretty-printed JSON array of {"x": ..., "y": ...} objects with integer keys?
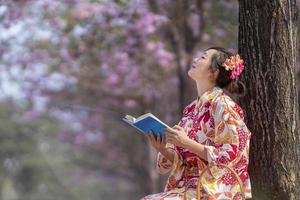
[
  {"x": 165, "y": 159},
  {"x": 178, "y": 136},
  {"x": 228, "y": 126},
  {"x": 196, "y": 148},
  {"x": 168, "y": 153}
]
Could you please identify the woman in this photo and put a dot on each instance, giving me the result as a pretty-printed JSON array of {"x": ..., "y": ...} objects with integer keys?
[{"x": 211, "y": 131}]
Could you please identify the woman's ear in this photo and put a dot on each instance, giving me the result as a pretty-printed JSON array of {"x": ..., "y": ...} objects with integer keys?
[{"x": 214, "y": 74}]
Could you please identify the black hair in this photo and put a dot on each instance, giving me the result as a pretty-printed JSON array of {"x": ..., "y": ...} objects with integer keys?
[{"x": 223, "y": 80}]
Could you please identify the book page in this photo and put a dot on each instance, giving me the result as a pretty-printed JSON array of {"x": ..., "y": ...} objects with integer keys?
[{"x": 130, "y": 118}]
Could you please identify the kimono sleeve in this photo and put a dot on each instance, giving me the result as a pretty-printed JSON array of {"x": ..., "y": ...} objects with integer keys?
[
  {"x": 225, "y": 148},
  {"x": 163, "y": 164}
]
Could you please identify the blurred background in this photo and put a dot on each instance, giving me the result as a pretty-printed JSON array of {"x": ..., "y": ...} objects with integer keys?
[{"x": 71, "y": 69}]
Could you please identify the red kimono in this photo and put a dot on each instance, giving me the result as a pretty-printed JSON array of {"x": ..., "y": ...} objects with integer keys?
[{"x": 217, "y": 122}]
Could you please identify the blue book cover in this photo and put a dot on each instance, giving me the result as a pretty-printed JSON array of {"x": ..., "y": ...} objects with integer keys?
[{"x": 147, "y": 122}]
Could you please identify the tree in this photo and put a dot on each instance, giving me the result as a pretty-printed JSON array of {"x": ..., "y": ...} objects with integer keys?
[
  {"x": 25, "y": 172},
  {"x": 93, "y": 56},
  {"x": 268, "y": 43}
]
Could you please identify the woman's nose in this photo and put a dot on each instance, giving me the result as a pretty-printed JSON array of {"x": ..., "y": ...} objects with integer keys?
[{"x": 194, "y": 61}]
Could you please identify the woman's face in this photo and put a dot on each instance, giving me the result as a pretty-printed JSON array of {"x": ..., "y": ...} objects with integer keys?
[{"x": 200, "y": 67}]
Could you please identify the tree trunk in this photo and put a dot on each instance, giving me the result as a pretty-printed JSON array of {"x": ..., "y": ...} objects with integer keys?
[{"x": 268, "y": 44}]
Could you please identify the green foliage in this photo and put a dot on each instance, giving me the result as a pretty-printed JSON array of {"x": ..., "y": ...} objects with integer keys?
[{"x": 25, "y": 171}]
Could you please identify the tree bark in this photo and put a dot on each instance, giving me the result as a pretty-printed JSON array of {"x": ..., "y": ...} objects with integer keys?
[{"x": 268, "y": 44}]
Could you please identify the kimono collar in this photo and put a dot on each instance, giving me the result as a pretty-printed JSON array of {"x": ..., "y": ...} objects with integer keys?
[{"x": 208, "y": 95}]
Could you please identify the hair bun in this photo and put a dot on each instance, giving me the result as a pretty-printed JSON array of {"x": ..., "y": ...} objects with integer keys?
[{"x": 236, "y": 87}]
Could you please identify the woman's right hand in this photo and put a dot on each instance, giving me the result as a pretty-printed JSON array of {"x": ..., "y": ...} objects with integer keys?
[{"x": 159, "y": 144}]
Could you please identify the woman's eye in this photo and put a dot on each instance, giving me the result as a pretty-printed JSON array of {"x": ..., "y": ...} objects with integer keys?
[{"x": 203, "y": 57}]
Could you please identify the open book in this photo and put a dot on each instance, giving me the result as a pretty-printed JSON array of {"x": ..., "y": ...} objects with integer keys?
[{"x": 147, "y": 122}]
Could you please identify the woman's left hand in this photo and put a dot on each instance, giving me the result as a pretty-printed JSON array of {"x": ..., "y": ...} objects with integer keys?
[{"x": 176, "y": 136}]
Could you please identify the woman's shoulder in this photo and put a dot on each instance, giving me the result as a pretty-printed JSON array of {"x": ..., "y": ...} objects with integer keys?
[{"x": 225, "y": 102}]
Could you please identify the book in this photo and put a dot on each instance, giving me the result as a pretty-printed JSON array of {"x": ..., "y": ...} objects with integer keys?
[{"x": 147, "y": 122}]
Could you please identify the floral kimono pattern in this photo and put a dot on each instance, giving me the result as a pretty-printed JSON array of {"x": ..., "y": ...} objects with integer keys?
[{"x": 217, "y": 122}]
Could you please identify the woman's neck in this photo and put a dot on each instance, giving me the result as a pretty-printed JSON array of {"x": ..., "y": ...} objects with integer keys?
[{"x": 202, "y": 87}]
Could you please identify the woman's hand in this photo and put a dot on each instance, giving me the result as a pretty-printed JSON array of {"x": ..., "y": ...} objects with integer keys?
[
  {"x": 159, "y": 144},
  {"x": 176, "y": 136}
]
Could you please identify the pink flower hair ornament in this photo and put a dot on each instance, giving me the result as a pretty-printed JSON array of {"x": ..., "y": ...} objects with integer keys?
[{"x": 235, "y": 64}]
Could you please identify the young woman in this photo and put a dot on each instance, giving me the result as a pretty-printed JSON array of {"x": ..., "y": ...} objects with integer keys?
[{"x": 211, "y": 131}]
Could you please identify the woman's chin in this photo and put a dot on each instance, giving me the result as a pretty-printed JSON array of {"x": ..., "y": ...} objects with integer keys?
[{"x": 190, "y": 74}]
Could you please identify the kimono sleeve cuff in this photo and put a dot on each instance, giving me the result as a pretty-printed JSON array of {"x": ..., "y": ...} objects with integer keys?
[
  {"x": 177, "y": 156},
  {"x": 177, "y": 162},
  {"x": 164, "y": 165}
]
